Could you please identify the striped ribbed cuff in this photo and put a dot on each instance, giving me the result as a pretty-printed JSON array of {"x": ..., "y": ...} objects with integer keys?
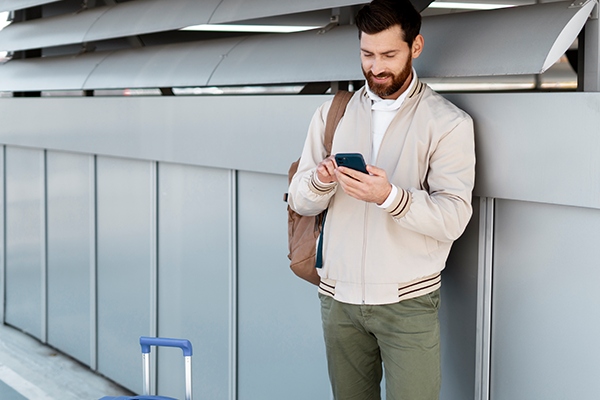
[
  {"x": 319, "y": 187},
  {"x": 401, "y": 204}
]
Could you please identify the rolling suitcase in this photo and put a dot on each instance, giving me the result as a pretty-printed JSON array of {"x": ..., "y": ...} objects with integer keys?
[{"x": 146, "y": 343}]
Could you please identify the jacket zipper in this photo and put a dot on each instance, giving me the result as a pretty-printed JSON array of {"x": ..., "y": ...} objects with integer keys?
[{"x": 364, "y": 255}]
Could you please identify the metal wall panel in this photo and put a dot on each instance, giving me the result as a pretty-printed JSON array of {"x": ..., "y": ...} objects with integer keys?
[
  {"x": 280, "y": 343},
  {"x": 458, "y": 314},
  {"x": 25, "y": 240},
  {"x": 126, "y": 225},
  {"x": 529, "y": 145},
  {"x": 545, "y": 301},
  {"x": 194, "y": 275},
  {"x": 234, "y": 130},
  {"x": 69, "y": 247}
]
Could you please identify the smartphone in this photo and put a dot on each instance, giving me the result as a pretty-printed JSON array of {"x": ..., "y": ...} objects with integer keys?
[{"x": 351, "y": 160}]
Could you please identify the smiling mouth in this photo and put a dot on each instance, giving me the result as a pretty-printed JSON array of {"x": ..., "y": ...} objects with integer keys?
[{"x": 381, "y": 78}]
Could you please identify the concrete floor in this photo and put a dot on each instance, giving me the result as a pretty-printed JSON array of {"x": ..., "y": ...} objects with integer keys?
[{"x": 31, "y": 370}]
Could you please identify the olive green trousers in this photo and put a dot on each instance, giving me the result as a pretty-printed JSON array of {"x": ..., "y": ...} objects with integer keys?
[{"x": 401, "y": 340}]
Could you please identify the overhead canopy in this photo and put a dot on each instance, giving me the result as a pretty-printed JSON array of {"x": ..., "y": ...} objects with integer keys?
[{"x": 520, "y": 40}]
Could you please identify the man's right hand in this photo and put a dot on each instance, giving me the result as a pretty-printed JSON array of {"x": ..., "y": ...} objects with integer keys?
[{"x": 326, "y": 170}]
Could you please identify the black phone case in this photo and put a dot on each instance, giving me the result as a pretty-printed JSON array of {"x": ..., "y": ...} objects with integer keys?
[{"x": 351, "y": 160}]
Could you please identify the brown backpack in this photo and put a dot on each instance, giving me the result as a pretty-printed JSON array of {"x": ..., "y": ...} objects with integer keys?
[{"x": 304, "y": 231}]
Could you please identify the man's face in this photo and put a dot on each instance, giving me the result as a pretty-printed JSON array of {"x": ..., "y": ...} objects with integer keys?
[{"x": 387, "y": 61}]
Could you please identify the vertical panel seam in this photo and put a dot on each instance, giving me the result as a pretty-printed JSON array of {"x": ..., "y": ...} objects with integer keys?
[
  {"x": 44, "y": 246},
  {"x": 93, "y": 267},
  {"x": 233, "y": 332},
  {"x": 3, "y": 241},
  {"x": 154, "y": 269}
]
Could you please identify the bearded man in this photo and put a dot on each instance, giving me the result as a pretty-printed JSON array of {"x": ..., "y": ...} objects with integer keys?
[{"x": 387, "y": 233}]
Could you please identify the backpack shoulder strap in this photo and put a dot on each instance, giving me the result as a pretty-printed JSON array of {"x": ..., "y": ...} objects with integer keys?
[{"x": 336, "y": 112}]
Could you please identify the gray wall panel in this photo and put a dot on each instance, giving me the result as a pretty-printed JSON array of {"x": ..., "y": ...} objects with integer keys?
[
  {"x": 458, "y": 314},
  {"x": 540, "y": 147},
  {"x": 229, "y": 132},
  {"x": 545, "y": 301},
  {"x": 529, "y": 146},
  {"x": 25, "y": 258},
  {"x": 126, "y": 227},
  {"x": 280, "y": 344},
  {"x": 68, "y": 245},
  {"x": 194, "y": 274}
]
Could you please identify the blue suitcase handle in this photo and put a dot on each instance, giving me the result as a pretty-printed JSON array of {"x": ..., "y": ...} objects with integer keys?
[{"x": 184, "y": 344}]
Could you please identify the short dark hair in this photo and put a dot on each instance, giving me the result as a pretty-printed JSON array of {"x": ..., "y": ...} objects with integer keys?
[{"x": 380, "y": 15}]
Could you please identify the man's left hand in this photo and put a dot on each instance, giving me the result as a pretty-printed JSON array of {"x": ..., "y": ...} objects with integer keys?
[{"x": 372, "y": 188}]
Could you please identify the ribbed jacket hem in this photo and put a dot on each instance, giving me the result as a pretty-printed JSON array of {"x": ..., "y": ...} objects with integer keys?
[{"x": 375, "y": 294}]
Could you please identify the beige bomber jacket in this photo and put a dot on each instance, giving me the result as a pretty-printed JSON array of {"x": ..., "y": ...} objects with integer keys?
[{"x": 381, "y": 256}]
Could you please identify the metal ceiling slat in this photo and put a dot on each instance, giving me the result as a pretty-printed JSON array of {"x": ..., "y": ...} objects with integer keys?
[
  {"x": 120, "y": 20},
  {"x": 56, "y": 31},
  {"x": 144, "y": 16},
  {"x": 240, "y": 10},
  {"x": 512, "y": 43},
  {"x": 11, "y": 5},
  {"x": 303, "y": 57},
  {"x": 148, "y": 16},
  {"x": 161, "y": 66},
  {"x": 509, "y": 41},
  {"x": 60, "y": 73}
]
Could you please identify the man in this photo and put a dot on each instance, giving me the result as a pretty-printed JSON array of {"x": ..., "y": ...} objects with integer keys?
[{"x": 387, "y": 233}]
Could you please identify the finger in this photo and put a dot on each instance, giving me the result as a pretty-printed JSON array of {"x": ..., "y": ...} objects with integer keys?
[{"x": 351, "y": 173}]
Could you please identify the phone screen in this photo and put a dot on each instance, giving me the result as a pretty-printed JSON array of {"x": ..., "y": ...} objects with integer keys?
[{"x": 351, "y": 160}]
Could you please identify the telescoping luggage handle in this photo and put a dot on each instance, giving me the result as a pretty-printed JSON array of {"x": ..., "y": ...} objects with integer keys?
[{"x": 184, "y": 344}]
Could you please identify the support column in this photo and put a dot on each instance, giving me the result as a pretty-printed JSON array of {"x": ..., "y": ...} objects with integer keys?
[
  {"x": 590, "y": 70},
  {"x": 484, "y": 299}
]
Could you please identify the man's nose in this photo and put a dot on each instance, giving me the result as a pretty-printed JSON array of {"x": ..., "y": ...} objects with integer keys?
[{"x": 377, "y": 67}]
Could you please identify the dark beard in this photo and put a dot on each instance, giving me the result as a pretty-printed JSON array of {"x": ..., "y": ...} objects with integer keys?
[{"x": 392, "y": 87}]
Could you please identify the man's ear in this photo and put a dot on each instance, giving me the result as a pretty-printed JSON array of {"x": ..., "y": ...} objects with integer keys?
[{"x": 417, "y": 46}]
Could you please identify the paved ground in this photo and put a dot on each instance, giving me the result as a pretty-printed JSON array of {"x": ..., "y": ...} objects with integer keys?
[{"x": 33, "y": 371}]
